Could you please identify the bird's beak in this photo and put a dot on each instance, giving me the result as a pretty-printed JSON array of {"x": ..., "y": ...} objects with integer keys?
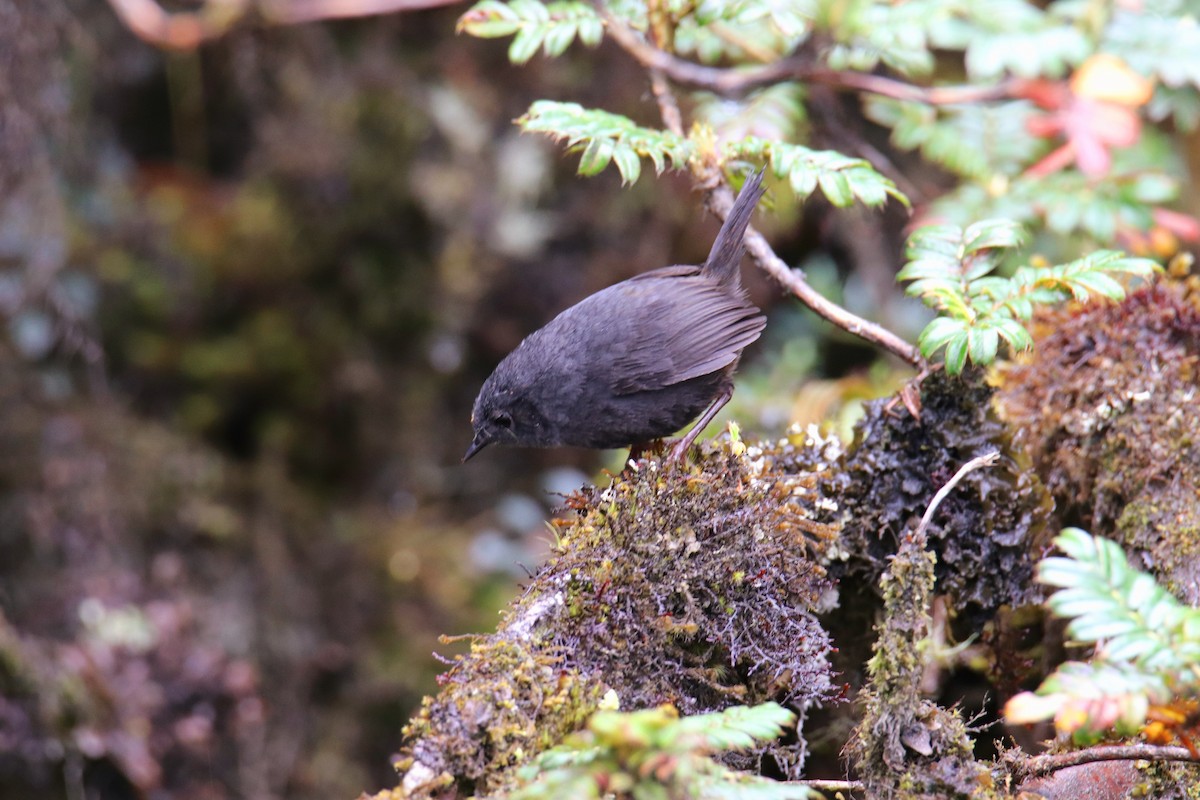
[{"x": 475, "y": 447}]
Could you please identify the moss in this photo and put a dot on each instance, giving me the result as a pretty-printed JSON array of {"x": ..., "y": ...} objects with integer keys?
[
  {"x": 1167, "y": 781},
  {"x": 694, "y": 585},
  {"x": 905, "y": 745},
  {"x": 1106, "y": 409},
  {"x": 501, "y": 703}
]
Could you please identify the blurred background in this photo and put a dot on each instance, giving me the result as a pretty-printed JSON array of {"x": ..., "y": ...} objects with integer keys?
[{"x": 249, "y": 292}]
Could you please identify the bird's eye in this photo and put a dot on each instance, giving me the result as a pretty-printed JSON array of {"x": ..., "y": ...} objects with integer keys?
[{"x": 502, "y": 420}]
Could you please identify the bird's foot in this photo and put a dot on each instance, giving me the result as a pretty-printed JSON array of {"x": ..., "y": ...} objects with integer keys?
[{"x": 640, "y": 450}]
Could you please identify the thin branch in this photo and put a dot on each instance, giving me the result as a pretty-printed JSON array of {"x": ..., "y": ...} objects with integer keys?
[
  {"x": 720, "y": 200},
  {"x": 899, "y": 90},
  {"x": 985, "y": 460},
  {"x": 1032, "y": 766},
  {"x": 291, "y": 12},
  {"x": 733, "y": 81},
  {"x": 187, "y": 30},
  {"x": 832, "y": 786},
  {"x": 668, "y": 106},
  {"x": 183, "y": 30}
]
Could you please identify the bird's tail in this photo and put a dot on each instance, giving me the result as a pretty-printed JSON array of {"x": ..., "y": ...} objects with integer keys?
[{"x": 726, "y": 254}]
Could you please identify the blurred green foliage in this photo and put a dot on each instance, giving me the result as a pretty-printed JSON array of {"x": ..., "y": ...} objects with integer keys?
[{"x": 653, "y": 754}]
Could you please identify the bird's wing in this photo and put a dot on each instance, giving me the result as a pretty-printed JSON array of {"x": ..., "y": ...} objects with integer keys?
[{"x": 686, "y": 326}]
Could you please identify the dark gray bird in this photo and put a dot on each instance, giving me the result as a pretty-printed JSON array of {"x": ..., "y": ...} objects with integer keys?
[{"x": 631, "y": 363}]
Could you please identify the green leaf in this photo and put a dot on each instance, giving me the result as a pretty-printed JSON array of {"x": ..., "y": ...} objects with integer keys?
[
  {"x": 596, "y": 156},
  {"x": 1014, "y": 333},
  {"x": 933, "y": 268},
  {"x": 939, "y": 333},
  {"x": 1147, "y": 642},
  {"x": 840, "y": 178},
  {"x": 616, "y": 747},
  {"x": 558, "y": 38},
  {"x": 628, "y": 163},
  {"x": 524, "y": 45},
  {"x": 937, "y": 242},
  {"x": 993, "y": 233},
  {"x": 982, "y": 344},
  {"x": 604, "y": 137},
  {"x": 956, "y": 354},
  {"x": 836, "y": 188},
  {"x": 534, "y": 25},
  {"x": 737, "y": 728}
]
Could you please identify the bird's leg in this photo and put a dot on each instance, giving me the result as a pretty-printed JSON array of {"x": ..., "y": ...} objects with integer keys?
[{"x": 680, "y": 450}]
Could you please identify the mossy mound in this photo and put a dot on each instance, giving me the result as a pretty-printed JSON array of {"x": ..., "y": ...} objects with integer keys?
[
  {"x": 1107, "y": 408},
  {"x": 694, "y": 585}
]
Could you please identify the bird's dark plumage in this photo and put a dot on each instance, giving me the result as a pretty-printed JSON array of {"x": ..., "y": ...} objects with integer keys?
[{"x": 631, "y": 363}]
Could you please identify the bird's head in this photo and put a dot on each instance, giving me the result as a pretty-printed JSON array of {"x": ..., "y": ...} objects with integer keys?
[{"x": 504, "y": 416}]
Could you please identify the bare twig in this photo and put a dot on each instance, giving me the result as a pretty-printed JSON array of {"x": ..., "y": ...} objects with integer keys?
[
  {"x": 186, "y": 30},
  {"x": 720, "y": 200},
  {"x": 726, "y": 81},
  {"x": 668, "y": 106},
  {"x": 183, "y": 30},
  {"x": 985, "y": 460},
  {"x": 291, "y": 12},
  {"x": 1047, "y": 763},
  {"x": 833, "y": 786}
]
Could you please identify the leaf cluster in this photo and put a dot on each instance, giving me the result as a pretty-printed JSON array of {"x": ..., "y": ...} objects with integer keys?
[
  {"x": 602, "y": 138},
  {"x": 653, "y": 755},
  {"x": 549, "y": 27},
  {"x": 995, "y": 37},
  {"x": 951, "y": 270},
  {"x": 1147, "y": 642}
]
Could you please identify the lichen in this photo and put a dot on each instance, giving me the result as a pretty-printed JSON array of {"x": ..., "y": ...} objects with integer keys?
[{"x": 984, "y": 532}]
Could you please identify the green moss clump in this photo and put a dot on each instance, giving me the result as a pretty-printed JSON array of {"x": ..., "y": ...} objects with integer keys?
[
  {"x": 906, "y": 746},
  {"x": 1107, "y": 408},
  {"x": 502, "y": 703},
  {"x": 692, "y": 585}
]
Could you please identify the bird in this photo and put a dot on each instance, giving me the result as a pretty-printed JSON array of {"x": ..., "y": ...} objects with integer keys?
[{"x": 632, "y": 363}]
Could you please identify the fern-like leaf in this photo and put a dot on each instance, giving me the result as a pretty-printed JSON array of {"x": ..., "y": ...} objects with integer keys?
[
  {"x": 840, "y": 178},
  {"x": 605, "y": 138},
  {"x": 1147, "y": 642},
  {"x": 1111, "y": 603},
  {"x": 534, "y": 25},
  {"x": 736, "y": 728},
  {"x": 653, "y": 754},
  {"x": 950, "y": 268}
]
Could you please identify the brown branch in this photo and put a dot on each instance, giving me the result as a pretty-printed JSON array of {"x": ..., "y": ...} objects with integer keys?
[
  {"x": 291, "y": 12},
  {"x": 732, "y": 81},
  {"x": 187, "y": 30},
  {"x": 830, "y": 786},
  {"x": 720, "y": 200},
  {"x": 1033, "y": 766},
  {"x": 183, "y": 30},
  {"x": 668, "y": 106},
  {"x": 985, "y": 460}
]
